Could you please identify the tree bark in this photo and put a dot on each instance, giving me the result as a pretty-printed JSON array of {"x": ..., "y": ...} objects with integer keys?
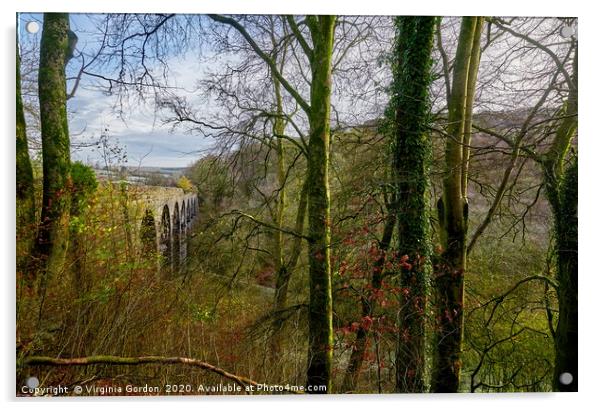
[
  {"x": 453, "y": 217},
  {"x": 52, "y": 241},
  {"x": 566, "y": 340},
  {"x": 319, "y": 366},
  {"x": 561, "y": 191},
  {"x": 286, "y": 269},
  {"x": 281, "y": 204},
  {"x": 410, "y": 102},
  {"x": 473, "y": 70},
  {"x": 26, "y": 211}
]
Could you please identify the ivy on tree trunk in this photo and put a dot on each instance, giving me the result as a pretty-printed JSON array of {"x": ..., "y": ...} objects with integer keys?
[
  {"x": 411, "y": 156},
  {"x": 566, "y": 340},
  {"x": 561, "y": 191}
]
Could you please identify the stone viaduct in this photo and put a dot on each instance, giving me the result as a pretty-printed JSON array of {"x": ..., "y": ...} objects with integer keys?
[{"x": 164, "y": 217}]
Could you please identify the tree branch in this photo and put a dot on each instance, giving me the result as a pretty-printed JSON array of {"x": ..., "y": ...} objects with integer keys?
[
  {"x": 295, "y": 28},
  {"x": 270, "y": 62},
  {"x": 268, "y": 225},
  {"x": 124, "y": 361},
  {"x": 567, "y": 77}
]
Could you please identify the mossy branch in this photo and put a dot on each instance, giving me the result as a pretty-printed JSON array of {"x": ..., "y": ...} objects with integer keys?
[{"x": 123, "y": 361}]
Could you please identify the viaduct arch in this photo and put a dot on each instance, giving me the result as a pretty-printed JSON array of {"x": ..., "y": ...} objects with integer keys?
[{"x": 164, "y": 217}]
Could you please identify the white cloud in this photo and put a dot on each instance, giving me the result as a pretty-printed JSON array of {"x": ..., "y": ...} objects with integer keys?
[{"x": 140, "y": 131}]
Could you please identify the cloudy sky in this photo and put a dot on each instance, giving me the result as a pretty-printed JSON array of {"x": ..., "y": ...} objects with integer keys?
[{"x": 140, "y": 133}]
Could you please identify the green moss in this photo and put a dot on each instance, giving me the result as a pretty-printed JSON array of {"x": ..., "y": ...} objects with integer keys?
[
  {"x": 408, "y": 118},
  {"x": 24, "y": 180},
  {"x": 53, "y": 233},
  {"x": 318, "y": 206}
]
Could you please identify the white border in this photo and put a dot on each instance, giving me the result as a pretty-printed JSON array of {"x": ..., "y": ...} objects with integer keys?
[{"x": 590, "y": 148}]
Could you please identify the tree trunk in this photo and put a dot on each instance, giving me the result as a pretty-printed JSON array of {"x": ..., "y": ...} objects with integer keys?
[
  {"x": 410, "y": 101},
  {"x": 561, "y": 191},
  {"x": 282, "y": 275},
  {"x": 318, "y": 207},
  {"x": 453, "y": 217},
  {"x": 26, "y": 211},
  {"x": 52, "y": 238},
  {"x": 286, "y": 269},
  {"x": 283, "y": 271},
  {"x": 318, "y": 199},
  {"x": 473, "y": 70},
  {"x": 361, "y": 337},
  {"x": 566, "y": 341}
]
